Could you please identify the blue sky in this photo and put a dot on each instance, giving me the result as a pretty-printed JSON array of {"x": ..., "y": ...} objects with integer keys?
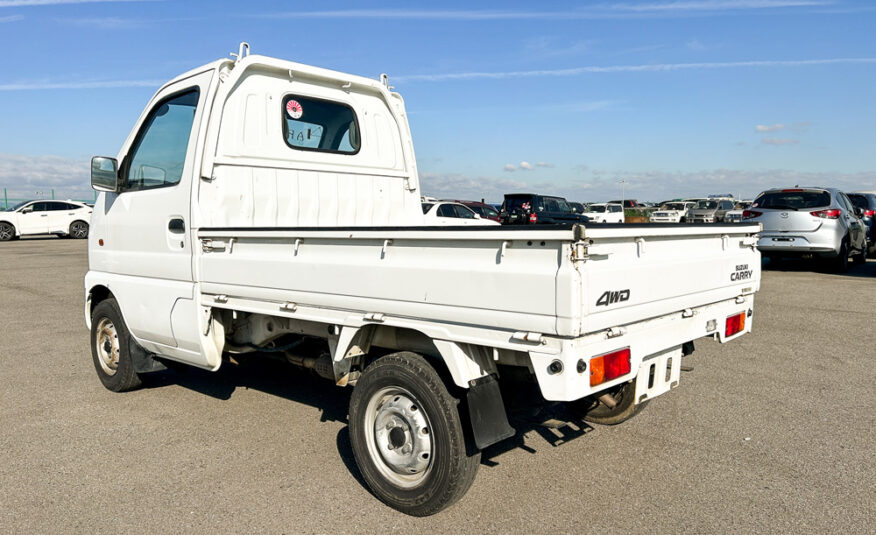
[{"x": 676, "y": 98}]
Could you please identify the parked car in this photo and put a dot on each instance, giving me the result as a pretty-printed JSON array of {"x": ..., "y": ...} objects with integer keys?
[
  {"x": 671, "y": 212},
  {"x": 735, "y": 215},
  {"x": 632, "y": 204},
  {"x": 809, "y": 222},
  {"x": 867, "y": 203},
  {"x": 578, "y": 207},
  {"x": 62, "y": 218},
  {"x": 605, "y": 213},
  {"x": 452, "y": 213},
  {"x": 531, "y": 209},
  {"x": 482, "y": 209},
  {"x": 709, "y": 211}
]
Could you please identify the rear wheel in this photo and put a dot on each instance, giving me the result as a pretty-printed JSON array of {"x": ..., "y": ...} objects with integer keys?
[
  {"x": 591, "y": 409},
  {"x": 78, "y": 230},
  {"x": 407, "y": 436},
  {"x": 7, "y": 232},
  {"x": 110, "y": 341},
  {"x": 861, "y": 257}
]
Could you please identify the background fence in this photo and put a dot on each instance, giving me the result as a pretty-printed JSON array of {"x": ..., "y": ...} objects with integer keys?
[{"x": 7, "y": 202}]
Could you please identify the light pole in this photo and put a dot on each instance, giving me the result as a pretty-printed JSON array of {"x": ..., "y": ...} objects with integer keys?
[{"x": 623, "y": 183}]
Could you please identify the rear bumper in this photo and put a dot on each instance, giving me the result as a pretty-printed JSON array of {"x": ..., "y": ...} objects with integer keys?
[
  {"x": 815, "y": 243},
  {"x": 657, "y": 337}
]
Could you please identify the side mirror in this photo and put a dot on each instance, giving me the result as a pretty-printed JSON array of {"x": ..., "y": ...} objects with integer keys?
[
  {"x": 859, "y": 212},
  {"x": 105, "y": 174},
  {"x": 27, "y": 209},
  {"x": 477, "y": 216}
]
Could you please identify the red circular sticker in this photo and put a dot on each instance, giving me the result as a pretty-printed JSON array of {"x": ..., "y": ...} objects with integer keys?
[{"x": 293, "y": 108}]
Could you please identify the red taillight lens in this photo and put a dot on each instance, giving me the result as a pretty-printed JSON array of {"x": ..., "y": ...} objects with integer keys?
[
  {"x": 609, "y": 366},
  {"x": 869, "y": 213},
  {"x": 833, "y": 213},
  {"x": 734, "y": 324},
  {"x": 750, "y": 214},
  {"x": 533, "y": 218}
]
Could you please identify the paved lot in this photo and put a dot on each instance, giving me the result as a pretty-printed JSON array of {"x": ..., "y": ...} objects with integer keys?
[{"x": 772, "y": 433}]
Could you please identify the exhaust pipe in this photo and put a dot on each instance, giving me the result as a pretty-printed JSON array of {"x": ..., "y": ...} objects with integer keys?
[{"x": 322, "y": 364}]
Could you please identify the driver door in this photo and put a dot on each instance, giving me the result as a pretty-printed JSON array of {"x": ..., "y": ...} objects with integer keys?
[
  {"x": 34, "y": 218},
  {"x": 148, "y": 223}
]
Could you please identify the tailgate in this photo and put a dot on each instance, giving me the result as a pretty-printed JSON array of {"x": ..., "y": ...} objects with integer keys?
[{"x": 637, "y": 273}]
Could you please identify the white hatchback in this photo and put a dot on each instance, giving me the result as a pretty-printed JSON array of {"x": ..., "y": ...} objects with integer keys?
[
  {"x": 452, "y": 213},
  {"x": 63, "y": 218},
  {"x": 605, "y": 213}
]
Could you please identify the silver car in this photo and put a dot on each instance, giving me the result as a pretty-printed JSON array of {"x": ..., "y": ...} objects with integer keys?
[
  {"x": 820, "y": 222},
  {"x": 709, "y": 211}
]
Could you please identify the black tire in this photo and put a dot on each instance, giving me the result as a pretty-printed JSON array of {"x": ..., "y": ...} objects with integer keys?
[
  {"x": 590, "y": 409},
  {"x": 78, "y": 230},
  {"x": 840, "y": 264},
  {"x": 404, "y": 390},
  {"x": 110, "y": 342},
  {"x": 861, "y": 257},
  {"x": 7, "y": 231}
]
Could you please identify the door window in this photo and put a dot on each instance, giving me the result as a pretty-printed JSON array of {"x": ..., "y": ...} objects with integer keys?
[
  {"x": 463, "y": 212},
  {"x": 446, "y": 210},
  {"x": 159, "y": 153}
]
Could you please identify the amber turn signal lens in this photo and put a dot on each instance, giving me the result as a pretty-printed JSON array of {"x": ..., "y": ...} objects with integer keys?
[{"x": 609, "y": 366}]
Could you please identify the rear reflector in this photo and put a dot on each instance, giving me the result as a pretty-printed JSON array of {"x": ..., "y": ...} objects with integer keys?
[
  {"x": 734, "y": 324},
  {"x": 750, "y": 214},
  {"x": 833, "y": 213},
  {"x": 609, "y": 366}
]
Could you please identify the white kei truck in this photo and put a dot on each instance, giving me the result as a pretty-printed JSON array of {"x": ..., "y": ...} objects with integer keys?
[{"x": 261, "y": 205}]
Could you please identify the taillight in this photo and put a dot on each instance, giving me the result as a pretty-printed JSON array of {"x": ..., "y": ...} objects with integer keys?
[
  {"x": 750, "y": 214},
  {"x": 609, "y": 366},
  {"x": 734, "y": 324},
  {"x": 869, "y": 213},
  {"x": 832, "y": 213},
  {"x": 533, "y": 218}
]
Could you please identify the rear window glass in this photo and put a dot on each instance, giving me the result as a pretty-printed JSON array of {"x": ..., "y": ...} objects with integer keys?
[
  {"x": 792, "y": 200},
  {"x": 858, "y": 200},
  {"x": 517, "y": 203},
  {"x": 320, "y": 125}
]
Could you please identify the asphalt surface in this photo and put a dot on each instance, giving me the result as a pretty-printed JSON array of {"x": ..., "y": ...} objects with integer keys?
[{"x": 772, "y": 433}]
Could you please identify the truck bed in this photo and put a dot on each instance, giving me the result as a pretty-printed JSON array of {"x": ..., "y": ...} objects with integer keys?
[{"x": 532, "y": 279}]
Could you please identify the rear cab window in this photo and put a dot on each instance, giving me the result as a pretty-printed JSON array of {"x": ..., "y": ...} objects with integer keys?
[
  {"x": 320, "y": 125},
  {"x": 796, "y": 199}
]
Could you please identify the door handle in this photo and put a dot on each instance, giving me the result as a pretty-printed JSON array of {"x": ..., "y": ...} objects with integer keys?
[
  {"x": 176, "y": 225},
  {"x": 44, "y": 215}
]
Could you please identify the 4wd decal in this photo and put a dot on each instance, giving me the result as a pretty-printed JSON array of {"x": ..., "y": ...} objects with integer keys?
[
  {"x": 742, "y": 273},
  {"x": 609, "y": 298}
]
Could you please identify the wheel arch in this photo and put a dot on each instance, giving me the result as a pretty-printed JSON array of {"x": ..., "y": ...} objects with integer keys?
[{"x": 96, "y": 294}]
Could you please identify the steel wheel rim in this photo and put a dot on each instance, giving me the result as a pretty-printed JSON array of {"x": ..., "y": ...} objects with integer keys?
[
  {"x": 5, "y": 232},
  {"x": 399, "y": 437},
  {"x": 107, "y": 344},
  {"x": 80, "y": 230}
]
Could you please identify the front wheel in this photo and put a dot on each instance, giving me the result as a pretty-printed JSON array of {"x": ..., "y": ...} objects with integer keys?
[
  {"x": 110, "y": 351},
  {"x": 407, "y": 436},
  {"x": 591, "y": 409},
  {"x": 78, "y": 230},
  {"x": 7, "y": 232}
]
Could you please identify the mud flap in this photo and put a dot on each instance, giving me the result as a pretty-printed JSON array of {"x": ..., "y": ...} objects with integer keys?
[
  {"x": 144, "y": 362},
  {"x": 489, "y": 421}
]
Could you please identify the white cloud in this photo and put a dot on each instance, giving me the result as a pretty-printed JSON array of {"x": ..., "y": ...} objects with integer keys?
[
  {"x": 526, "y": 166},
  {"x": 27, "y": 177},
  {"x": 11, "y": 18},
  {"x": 510, "y": 167},
  {"x": 599, "y": 11},
  {"x": 31, "y": 3},
  {"x": 769, "y": 128},
  {"x": 543, "y": 164},
  {"x": 651, "y": 67},
  {"x": 779, "y": 141},
  {"x": 106, "y": 84}
]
